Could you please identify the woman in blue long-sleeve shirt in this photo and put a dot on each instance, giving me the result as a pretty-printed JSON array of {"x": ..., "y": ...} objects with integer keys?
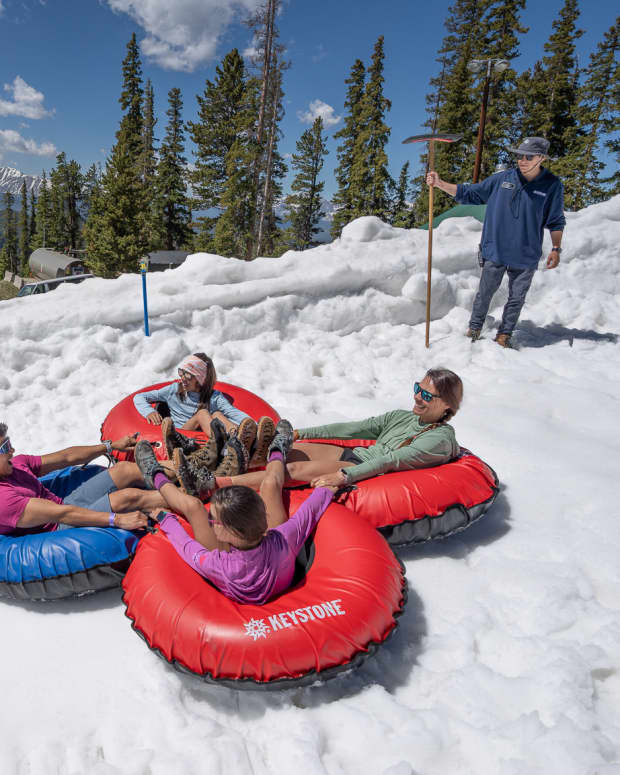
[{"x": 192, "y": 400}]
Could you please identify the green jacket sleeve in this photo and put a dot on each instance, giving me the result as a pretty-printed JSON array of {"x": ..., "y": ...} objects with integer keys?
[
  {"x": 358, "y": 429},
  {"x": 430, "y": 449}
]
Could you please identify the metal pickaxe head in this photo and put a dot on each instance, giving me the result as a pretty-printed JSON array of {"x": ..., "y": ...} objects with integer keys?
[{"x": 440, "y": 137}]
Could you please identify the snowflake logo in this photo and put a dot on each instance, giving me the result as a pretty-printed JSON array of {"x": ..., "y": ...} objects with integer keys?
[{"x": 256, "y": 628}]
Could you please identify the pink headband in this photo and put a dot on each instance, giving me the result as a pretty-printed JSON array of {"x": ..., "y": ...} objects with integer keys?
[{"x": 196, "y": 367}]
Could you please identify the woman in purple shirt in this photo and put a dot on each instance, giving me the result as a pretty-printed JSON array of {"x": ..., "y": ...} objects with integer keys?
[{"x": 247, "y": 545}]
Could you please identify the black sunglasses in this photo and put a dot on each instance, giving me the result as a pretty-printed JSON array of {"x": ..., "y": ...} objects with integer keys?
[{"x": 526, "y": 156}]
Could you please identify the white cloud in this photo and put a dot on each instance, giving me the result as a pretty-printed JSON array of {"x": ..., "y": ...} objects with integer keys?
[
  {"x": 10, "y": 140},
  {"x": 26, "y": 102},
  {"x": 318, "y": 108},
  {"x": 182, "y": 34}
]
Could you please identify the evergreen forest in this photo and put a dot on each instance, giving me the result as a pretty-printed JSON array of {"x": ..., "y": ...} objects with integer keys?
[{"x": 224, "y": 193}]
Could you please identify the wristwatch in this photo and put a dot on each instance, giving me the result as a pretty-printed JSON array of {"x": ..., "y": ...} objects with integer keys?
[
  {"x": 557, "y": 250},
  {"x": 108, "y": 446}
]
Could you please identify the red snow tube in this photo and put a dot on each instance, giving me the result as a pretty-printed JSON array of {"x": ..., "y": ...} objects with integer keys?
[
  {"x": 124, "y": 418},
  {"x": 424, "y": 503},
  {"x": 336, "y": 614}
]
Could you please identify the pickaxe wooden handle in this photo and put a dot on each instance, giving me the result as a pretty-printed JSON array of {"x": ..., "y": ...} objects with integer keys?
[{"x": 431, "y": 139}]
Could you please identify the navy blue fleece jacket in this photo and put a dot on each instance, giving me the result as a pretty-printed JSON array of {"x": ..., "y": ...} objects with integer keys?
[{"x": 517, "y": 213}]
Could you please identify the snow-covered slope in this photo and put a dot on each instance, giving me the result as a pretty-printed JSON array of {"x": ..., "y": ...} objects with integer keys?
[{"x": 507, "y": 659}]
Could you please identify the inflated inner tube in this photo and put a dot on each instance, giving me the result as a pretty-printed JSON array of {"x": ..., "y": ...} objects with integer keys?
[
  {"x": 424, "y": 503},
  {"x": 342, "y": 606},
  {"x": 124, "y": 418},
  {"x": 66, "y": 563}
]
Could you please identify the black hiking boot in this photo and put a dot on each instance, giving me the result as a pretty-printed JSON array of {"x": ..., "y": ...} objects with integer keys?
[
  {"x": 173, "y": 439},
  {"x": 147, "y": 463},
  {"x": 283, "y": 440}
]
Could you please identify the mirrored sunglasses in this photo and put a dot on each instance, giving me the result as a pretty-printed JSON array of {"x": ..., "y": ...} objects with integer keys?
[
  {"x": 5, "y": 447},
  {"x": 426, "y": 396}
]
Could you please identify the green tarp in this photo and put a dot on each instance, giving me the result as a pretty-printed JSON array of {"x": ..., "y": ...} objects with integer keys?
[{"x": 460, "y": 211}]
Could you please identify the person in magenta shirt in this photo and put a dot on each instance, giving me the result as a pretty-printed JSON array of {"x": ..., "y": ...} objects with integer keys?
[
  {"x": 247, "y": 545},
  {"x": 111, "y": 498}
]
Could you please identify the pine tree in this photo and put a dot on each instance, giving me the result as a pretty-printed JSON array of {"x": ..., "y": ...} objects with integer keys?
[
  {"x": 24, "y": 243},
  {"x": 581, "y": 167},
  {"x": 172, "y": 208},
  {"x": 369, "y": 171},
  {"x": 66, "y": 193},
  {"x": 560, "y": 76},
  {"x": 348, "y": 134},
  {"x": 401, "y": 209},
  {"x": 32, "y": 222},
  {"x": 149, "y": 163},
  {"x": 267, "y": 229},
  {"x": 116, "y": 231},
  {"x": 501, "y": 24},
  {"x": 453, "y": 105},
  {"x": 267, "y": 167},
  {"x": 10, "y": 247},
  {"x": 220, "y": 110},
  {"x": 44, "y": 216},
  {"x": 303, "y": 207},
  {"x": 234, "y": 230}
]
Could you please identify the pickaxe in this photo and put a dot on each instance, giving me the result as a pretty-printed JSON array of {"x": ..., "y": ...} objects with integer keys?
[{"x": 431, "y": 140}]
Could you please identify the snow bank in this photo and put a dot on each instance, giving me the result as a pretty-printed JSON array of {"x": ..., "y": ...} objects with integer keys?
[{"x": 507, "y": 659}]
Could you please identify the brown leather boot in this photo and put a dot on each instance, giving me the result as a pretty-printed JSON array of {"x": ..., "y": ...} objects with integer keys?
[
  {"x": 264, "y": 436},
  {"x": 473, "y": 334},
  {"x": 503, "y": 340}
]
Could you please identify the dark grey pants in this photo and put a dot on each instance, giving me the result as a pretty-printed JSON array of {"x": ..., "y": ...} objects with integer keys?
[{"x": 519, "y": 281}]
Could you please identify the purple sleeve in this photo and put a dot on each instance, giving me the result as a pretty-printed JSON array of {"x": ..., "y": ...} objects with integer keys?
[
  {"x": 204, "y": 561},
  {"x": 298, "y": 527}
]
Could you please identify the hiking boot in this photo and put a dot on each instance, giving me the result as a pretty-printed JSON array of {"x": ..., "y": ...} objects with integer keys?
[
  {"x": 205, "y": 456},
  {"x": 234, "y": 460},
  {"x": 473, "y": 334},
  {"x": 503, "y": 340},
  {"x": 246, "y": 433},
  {"x": 264, "y": 436},
  {"x": 173, "y": 439},
  {"x": 219, "y": 435},
  {"x": 283, "y": 440},
  {"x": 196, "y": 481},
  {"x": 147, "y": 463}
]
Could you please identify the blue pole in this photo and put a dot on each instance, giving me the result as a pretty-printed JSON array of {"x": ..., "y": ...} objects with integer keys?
[{"x": 144, "y": 299}]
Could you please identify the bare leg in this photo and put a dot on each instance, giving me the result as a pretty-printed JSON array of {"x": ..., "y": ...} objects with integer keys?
[
  {"x": 201, "y": 421},
  {"x": 129, "y": 499},
  {"x": 303, "y": 462},
  {"x": 193, "y": 510},
  {"x": 126, "y": 474},
  {"x": 271, "y": 493}
]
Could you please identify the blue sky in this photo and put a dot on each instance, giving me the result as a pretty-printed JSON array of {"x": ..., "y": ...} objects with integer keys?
[{"x": 60, "y": 64}]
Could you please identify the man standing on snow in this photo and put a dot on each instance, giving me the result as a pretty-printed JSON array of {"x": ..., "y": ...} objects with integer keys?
[{"x": 521, "y": 203}]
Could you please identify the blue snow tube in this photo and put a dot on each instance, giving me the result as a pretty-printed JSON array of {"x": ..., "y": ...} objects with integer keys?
[{"x": 67, "y": 563}]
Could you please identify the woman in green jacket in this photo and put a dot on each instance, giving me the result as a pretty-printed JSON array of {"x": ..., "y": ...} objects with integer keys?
[{"x": 404, "y": 439}]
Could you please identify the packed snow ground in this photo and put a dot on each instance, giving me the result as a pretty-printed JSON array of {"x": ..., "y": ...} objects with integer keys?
[{"x": 507, "y": 659}]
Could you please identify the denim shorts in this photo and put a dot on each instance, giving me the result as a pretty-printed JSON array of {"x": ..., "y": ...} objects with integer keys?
[{"x": 93, "y": 494}]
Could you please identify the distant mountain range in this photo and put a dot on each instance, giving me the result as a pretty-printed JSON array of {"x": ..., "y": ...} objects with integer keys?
[{"x": 12, "y": 180}]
